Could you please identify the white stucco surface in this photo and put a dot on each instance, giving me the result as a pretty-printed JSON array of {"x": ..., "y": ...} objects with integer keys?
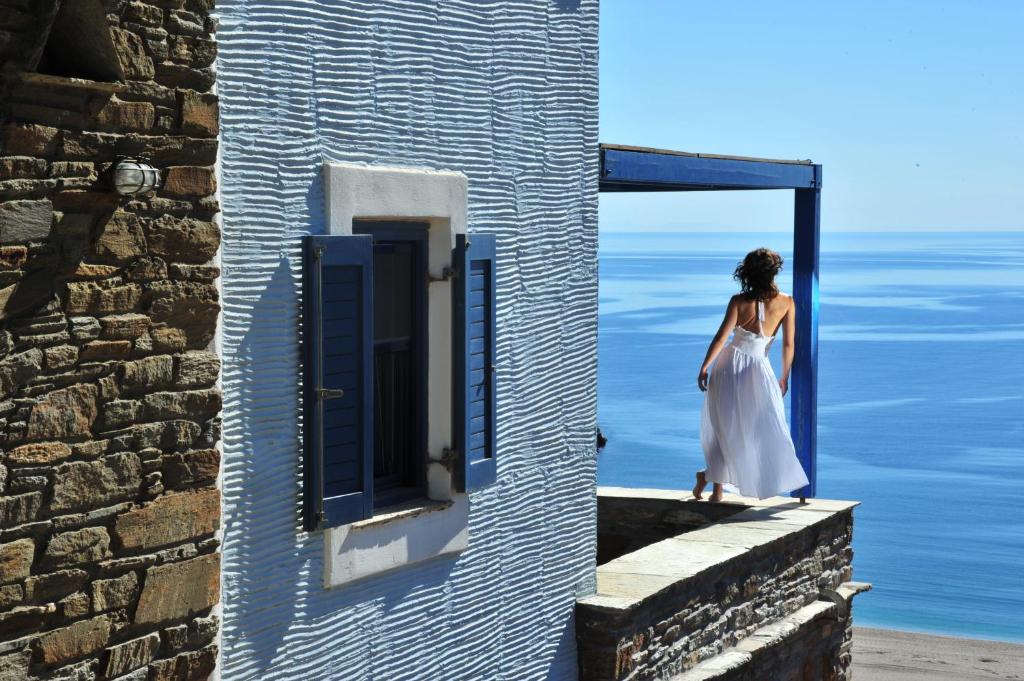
[{"x": 506, "y": 93}]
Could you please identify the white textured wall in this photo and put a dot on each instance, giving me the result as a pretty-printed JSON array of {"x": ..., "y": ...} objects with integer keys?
[{"x": 505, "y": 92}]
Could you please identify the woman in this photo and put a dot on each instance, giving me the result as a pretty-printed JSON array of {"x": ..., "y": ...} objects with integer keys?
[{"x": 743, "y": 425}]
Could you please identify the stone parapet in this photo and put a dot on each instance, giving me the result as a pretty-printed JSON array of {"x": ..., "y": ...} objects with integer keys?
[
  {"x": 109, "y": 403},
  {"x": 664, "y": 608}
]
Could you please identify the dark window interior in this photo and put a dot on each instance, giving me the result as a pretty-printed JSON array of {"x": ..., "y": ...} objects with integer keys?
[
  {"x": 79, "y": 44},
  {"x": 399, "y": 340}
]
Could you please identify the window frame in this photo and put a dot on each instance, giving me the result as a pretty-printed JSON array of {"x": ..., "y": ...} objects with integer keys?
[{"x": 416, "y": 233}]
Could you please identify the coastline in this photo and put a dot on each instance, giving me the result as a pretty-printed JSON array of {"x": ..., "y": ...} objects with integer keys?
[{"x": 891, "y": 655}]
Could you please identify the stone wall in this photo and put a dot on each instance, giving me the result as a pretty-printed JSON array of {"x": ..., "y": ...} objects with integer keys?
[
  {"x": 814, "y": 643},
  {"x": 109, "y": 431},
  {"x": 665, "y": 608}
]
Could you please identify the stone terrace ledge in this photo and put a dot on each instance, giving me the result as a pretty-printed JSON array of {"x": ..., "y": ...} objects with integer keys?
[{"x": 718, "y": 574}]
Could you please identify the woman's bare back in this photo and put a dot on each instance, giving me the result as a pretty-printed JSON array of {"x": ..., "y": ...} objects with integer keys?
[{"x": 775, "y": 311}]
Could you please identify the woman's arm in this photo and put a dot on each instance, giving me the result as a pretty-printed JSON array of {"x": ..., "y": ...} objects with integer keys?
[
  {"x": 788, "y": 345},
  {"x": 728, "y": 324}
]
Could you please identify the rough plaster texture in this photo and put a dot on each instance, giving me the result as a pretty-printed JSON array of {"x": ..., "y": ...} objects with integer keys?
[{"x": 505, "y": 92}]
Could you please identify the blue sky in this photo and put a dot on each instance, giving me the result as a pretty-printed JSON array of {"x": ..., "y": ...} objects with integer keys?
[{"x": 915, "y": 109}]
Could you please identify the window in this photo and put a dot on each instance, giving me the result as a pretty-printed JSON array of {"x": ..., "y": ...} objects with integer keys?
[
  {"x": 367, "y": 376},
  {"x": 399, "y": 358},
  {"x": 79, "y": 44}
]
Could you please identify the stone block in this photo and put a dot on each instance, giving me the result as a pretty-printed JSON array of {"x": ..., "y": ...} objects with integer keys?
[
  {"x": 14, "y": 666},
  {"x": 91, "y": 449},
  {"x": 21, "y": 167},
  {"x": 39, "y": 454},
  {"x": 121, "y": 238},
  {"x": 197, "y": 369},
  {"x": 75, "y": 548},
  {"x": 84, "y": 328},
  {"x": 184, "y": 23},
  {"x": 29, "y": 140},
  {"x": 119, "y": 592},
  {"x": 87, "y": 297},
  {"x": 131, "y": 52},
  {"x": 61, "y": 357},
  {"x": 75, "y": 641},
  {"x": 127, "y": 115},
  {"x": 16, "y": 560},
  {"x": 203, "y": 630},
  {"x": 102, "y": 350},
  {"x": 175, "y": 639},
  {"x": 93, "y": 484},
  {"x": 148, "y": 373},
  {"x": 123, "y": 326},
  {"x": 17, "y": 369},
  {"x": 190, "y": 666},
  {"x": 170, "y": 519},
  {"x": 198, "y": 404},
  {"x": 199, "y": 114},
  {"x": 147, "y": 268},
  {"x": 168, "y": 339},
  {"x": 74, "y": 606},
  {"x": 19, "y": 509},
  {"x": 67, "y": 413},
  {"x": 183, "y": 239},
  {"x": 11, "y": 595},
  {"x": 190, "y": 181},
  {"x": 145, "y": 14},
  {"x": 54, "y": 586},
  {"x": 195, "y": 466},
  {"x": 72, "y": 169},
  {"x": 25, "y": 221},
  {"x": 191, "y": 311},
  {"x": 120, "y": 413},
  {"x": 178, "y": 590},
  {"x": 195, "y": 52},
  {"x": 207, "y": 273},
  {"x": 131, "y": 655}
]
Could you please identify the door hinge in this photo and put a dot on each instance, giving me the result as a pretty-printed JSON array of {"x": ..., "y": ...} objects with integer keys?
[
  {"x": 447, "y": 274},
  {"x": 449, "y": 455}
]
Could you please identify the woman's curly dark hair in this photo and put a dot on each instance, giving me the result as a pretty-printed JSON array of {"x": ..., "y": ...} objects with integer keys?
[{"x": 756, "y": 274}]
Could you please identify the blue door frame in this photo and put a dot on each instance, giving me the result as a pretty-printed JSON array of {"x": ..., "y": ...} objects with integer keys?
[{"x": 637, "y": 169}]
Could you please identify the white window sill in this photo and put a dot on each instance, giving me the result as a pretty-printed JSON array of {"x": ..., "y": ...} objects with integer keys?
[{"x": 399, "y": 536}]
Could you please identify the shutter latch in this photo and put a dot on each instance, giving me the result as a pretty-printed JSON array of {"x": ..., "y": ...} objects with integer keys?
[{"x": 329, "y": 393}]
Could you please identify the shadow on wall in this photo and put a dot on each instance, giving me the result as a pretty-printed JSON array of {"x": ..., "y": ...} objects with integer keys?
[{"x": 274, "y": 600}]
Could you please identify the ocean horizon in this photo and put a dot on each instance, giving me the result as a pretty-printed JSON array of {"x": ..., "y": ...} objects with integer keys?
[{"x": 921, "y": 401}]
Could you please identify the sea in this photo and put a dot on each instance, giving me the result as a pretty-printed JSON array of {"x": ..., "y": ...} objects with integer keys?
[{"x": 920, "y": 402}]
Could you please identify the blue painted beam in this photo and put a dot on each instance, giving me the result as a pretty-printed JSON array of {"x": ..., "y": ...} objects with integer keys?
[
  {"x": 638, "y": 170},
  {"x": 804, "y": 383}
]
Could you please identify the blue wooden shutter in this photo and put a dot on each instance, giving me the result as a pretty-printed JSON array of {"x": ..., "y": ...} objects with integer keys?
[
  {"x": 475, "y": 376},
  {"x": 338, "y": 404}
]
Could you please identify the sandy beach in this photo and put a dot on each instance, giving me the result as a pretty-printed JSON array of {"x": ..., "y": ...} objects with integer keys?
[{"x": 883, "y": 655}]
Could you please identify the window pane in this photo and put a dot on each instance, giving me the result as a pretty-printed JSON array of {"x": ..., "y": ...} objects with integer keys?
[
  {"x": 393, "y": 291},
  {"x": 397, "y": 293}
]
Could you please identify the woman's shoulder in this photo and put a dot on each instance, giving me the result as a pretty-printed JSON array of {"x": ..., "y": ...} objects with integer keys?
[{"x": 784, "y": 298}]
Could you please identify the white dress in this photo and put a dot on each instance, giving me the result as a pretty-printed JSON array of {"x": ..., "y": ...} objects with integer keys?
[{"x": 743, "y": 424}]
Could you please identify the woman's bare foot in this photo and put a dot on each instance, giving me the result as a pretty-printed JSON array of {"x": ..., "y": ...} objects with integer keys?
[
  {"x": 702, "y": 482},
  {"x": 716, "y": 494}
]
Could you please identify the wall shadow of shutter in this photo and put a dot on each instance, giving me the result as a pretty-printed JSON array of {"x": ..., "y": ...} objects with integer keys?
[
  {"x": 474, "y": 361},
  {"x": 338, "y": 380}
]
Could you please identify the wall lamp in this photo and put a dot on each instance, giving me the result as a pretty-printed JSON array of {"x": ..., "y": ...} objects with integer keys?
[{"x": 133, "y": 176}]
